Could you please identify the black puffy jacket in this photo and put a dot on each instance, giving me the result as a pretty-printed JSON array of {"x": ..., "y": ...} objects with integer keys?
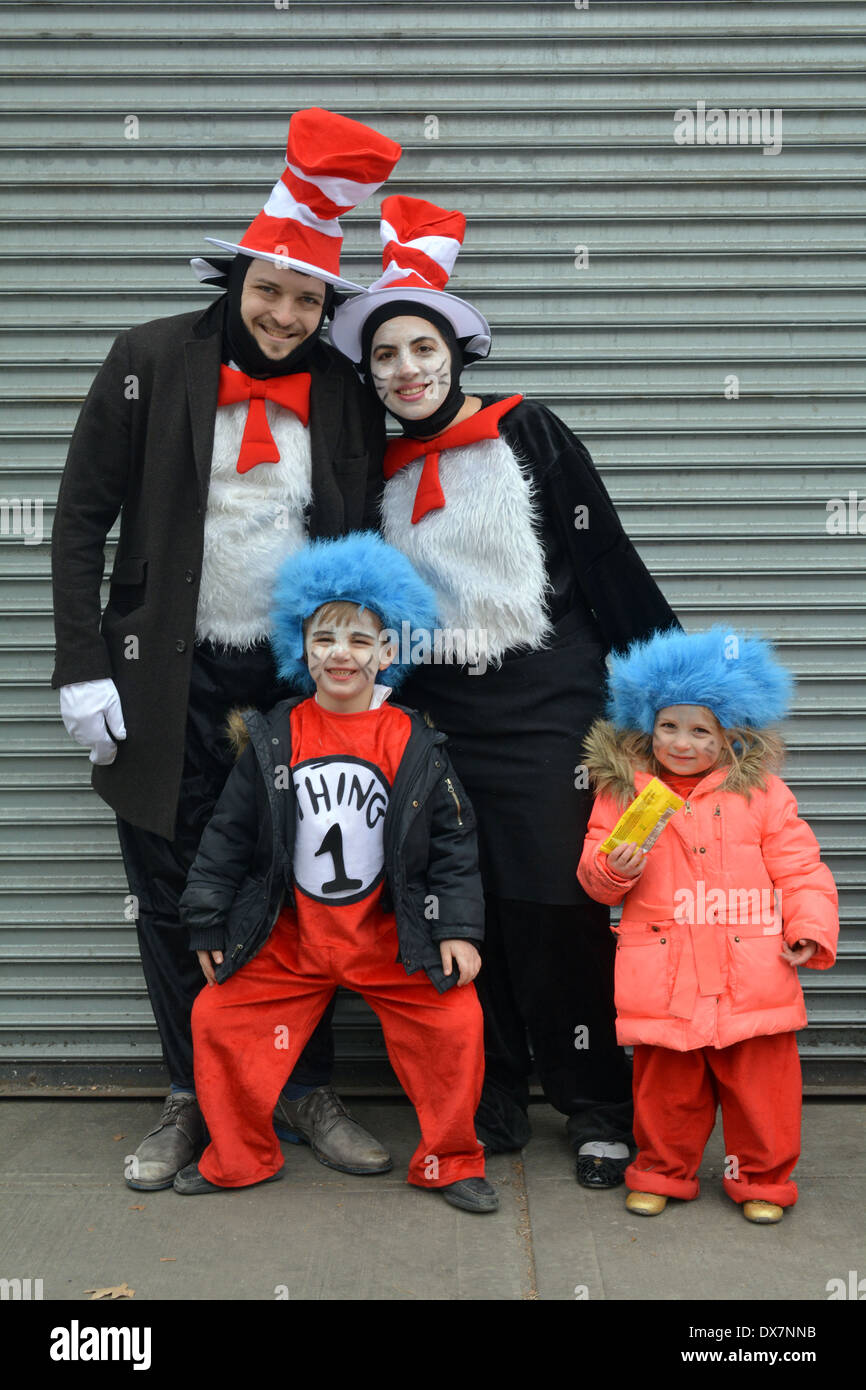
[{"x": 242, "y": 873}]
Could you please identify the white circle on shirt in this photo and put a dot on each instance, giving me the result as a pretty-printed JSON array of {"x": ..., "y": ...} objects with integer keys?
[{"x": 339, "y": 828}]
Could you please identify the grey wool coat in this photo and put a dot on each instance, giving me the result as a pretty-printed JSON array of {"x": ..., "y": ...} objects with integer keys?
[{"x": 142, "y": 450}]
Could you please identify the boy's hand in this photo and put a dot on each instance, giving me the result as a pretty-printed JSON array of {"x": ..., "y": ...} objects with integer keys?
[
  {"x": 628, "y": 861},
  {"x": 465, "y": 957},
  {"x": 207, "y": 960},
  {"x": 799, "y": 954}
]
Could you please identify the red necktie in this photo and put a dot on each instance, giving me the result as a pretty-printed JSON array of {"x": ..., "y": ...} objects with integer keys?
[
  {"x": 429, "y": 497},
  {"x": 291, "y": 392}
]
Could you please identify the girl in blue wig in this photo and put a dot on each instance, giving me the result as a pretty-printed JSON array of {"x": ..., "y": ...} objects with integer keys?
[{"x": 717, "y": 914}]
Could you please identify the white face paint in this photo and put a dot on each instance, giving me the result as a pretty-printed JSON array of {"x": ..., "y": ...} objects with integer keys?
[
  {"x": 345, "y": 654},
  {"x": 410, "y": 366}
]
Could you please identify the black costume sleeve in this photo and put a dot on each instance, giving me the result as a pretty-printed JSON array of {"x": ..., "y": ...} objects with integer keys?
[
  {"x": 224, "y": 858},
  {"x": 617, "y": 586},
  {"x": 92, "y": 491}
]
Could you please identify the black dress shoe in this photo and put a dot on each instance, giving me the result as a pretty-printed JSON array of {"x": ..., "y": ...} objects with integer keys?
[
  {"x": 601, "y": 1172},
  {"x": 471, "y": 1194},
  {"x": 189, "y": 1182}
]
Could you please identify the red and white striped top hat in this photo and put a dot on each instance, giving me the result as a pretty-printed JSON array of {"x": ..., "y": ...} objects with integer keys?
[
  {"x": 421, "y": 242},
  {"x": 332, "y": 164}
]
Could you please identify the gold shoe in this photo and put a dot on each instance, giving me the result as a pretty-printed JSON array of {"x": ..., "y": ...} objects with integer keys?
[
  {"x": 764, "y": 1213},
  {"x": 646, "y": 1203}
]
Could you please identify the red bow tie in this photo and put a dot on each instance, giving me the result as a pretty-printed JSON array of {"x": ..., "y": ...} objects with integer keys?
[
  {"x": 291, "y": 392},
  {"x": 429, "y": 497}
]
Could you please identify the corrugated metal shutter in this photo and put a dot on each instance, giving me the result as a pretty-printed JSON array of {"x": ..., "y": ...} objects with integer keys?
[{"x": 552, "y": 128}]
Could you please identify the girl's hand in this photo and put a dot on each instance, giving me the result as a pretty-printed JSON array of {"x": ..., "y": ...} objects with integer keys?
[
  {"x": 627, "y": 861},
  {"x": 207, "y": 960},
  {"x": 799, "y": 954}
]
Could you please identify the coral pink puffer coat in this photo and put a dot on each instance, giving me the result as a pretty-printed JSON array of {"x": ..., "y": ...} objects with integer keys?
[{"x": 698, "y": 960}]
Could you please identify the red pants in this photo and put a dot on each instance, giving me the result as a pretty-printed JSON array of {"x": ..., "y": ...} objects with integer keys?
[
  {"x": 249, "y": 1032},
  {"x": 759, "y": 1085}
]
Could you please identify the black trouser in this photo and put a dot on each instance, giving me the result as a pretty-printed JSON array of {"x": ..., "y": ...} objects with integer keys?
[
  {"x": 156, "y": 868},
  {"x": 548, "y": 972}
]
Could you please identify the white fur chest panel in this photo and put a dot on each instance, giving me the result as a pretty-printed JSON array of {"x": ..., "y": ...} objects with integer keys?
[
  {"x": 253, "y": 521},
  {"x": 482, "y": 552}
]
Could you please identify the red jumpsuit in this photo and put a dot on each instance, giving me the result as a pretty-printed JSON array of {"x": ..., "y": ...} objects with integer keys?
[{"x": 249, "y": 1031}]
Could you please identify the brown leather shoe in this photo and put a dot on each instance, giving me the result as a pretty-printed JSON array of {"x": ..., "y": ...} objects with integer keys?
[
  {"x": 178, "y": 1139},
  {"x": 322, "y": 1121}
]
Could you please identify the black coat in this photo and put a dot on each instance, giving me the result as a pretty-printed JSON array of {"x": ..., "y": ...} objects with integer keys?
[
  {"x": 243, "y": 870},
  {"x": 142, "y": 449}
]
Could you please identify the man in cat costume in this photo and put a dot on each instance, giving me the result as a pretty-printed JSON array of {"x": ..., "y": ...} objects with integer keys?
[{"x": 222, "y": 439}]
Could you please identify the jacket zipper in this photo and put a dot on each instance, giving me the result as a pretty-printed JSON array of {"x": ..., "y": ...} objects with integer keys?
[
  {"x": 408, "y": 776},
  {"x": 717, "y": 822},
  {"x": 450, "y": 785}
]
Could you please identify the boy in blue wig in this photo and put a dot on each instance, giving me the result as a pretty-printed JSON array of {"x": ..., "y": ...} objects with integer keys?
[{"x": 342, "y": 852}]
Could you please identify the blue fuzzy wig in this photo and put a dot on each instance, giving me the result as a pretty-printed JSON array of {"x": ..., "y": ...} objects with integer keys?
[
  {"x": 359, "y": 568},
  {"x": 734, "y": 675}
]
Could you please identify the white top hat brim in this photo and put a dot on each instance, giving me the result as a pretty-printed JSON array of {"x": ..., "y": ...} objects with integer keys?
[
  {"x": 347, "y": 325},
  {"x": 286, "y": 263}
]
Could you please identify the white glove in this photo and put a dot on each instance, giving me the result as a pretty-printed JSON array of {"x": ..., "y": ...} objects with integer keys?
[{"x": 92, "y": 715}]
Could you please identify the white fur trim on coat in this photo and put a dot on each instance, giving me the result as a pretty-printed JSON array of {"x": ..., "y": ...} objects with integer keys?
[
  {"x": 482, "y": 552},
  {"x": 253, "y": 521}
]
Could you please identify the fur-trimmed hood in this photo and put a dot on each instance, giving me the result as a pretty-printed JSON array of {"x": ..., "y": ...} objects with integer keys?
[
  {"x": 236, "y": 732},
  {"x": 612, "y": 771}
]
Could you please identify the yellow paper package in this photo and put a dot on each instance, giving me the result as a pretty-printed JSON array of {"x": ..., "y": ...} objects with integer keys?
[{"x": 644, "y": 820}]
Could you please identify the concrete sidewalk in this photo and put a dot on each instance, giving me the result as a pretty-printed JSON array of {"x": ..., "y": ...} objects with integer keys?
[{"x": 67, "y": 1218}]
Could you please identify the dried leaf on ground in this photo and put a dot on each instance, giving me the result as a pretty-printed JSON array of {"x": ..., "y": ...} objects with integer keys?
[{"x": 113, "y": 1291}]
